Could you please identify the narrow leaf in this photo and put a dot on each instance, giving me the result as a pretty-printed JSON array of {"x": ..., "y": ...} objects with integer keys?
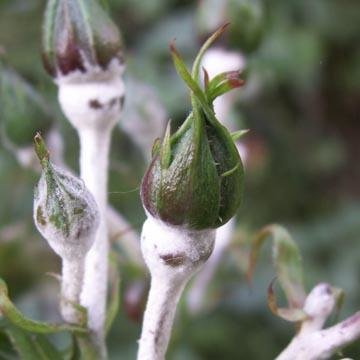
[
  {"x": 8, "y": 309},
  {"x": 46, "y": 348},
  {"x": 23, "y": 344},
  {"x": 289, "y": 314},
  {"x": 287, "y": 262}
]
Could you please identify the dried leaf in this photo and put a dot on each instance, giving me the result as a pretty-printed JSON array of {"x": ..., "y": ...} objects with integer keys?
[
  {"x": 287, "y": 262},
  {"x": 289, "y": 314}
]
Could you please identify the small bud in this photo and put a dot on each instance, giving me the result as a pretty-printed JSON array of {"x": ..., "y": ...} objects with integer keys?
[
  {"x": 78, "y": 35},
  {"x": 195, "y": 179},
  {"x": 65, "y": 212}
]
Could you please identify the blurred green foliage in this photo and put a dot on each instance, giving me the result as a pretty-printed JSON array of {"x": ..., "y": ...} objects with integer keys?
[{"x": 302, "y": 104}]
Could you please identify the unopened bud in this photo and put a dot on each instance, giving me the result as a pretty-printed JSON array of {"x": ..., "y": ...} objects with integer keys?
[
  {"x": 195, "y": 179},
  {"x": 78, "y": 35},
  {"x": 65, "y": 212},
  {"x": 83, "y": 52}
]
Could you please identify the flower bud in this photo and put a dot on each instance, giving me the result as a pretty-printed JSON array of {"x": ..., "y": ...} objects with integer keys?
[
  {"x": 82, "y": 50},
  {"x": 78, "y": 35},
  {"x": 195, "y": 179},
  {"x": 65, "y": 212}
]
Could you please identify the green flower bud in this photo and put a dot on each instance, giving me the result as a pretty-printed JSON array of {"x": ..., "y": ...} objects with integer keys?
[
  {"x": 78, "y": 34},
  {"x": 195, "y": 179},
  {"x": 22, "y": 110},
  {"x": 65, "y": 212}
]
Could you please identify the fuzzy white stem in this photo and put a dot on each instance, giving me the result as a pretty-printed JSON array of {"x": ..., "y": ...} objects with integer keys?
[
  {"x": 71, "y": 284},
  {"x": 172, "y": 255},
  {"x": 159, "y": 318},
  {"x": 92, "y": 102},
  {"x": 94, "y": 168},
  {"x": 313, "y": 343},
  {"x": 197, "y": 292}
]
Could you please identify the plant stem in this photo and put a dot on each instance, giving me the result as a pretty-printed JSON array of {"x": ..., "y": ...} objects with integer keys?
[
  {"x": 314, "y": 343},
  {"x": 159, "y": 318},
  {"x": 173, "y": 255},
  {"x": 71, "y": 283},
  {"x": 95, "y": 144}
]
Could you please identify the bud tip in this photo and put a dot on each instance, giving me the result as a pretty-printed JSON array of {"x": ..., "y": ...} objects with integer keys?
[{"x": 40, "y": 148}]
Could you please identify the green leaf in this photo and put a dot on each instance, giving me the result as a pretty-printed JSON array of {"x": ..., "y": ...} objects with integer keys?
[
  {"x": 86, "y": 348},
  {"x": 287, "y": 261},
  {"x": 22, "y": 343},
  {"x": 12, "y": 314},
  {"x": 45, "y": 347},
  {"x": 32, "y": 346}
]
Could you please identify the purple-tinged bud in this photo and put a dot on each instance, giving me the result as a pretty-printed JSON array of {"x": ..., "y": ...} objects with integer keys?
[
  {"x": 78, "y": 35},
  {"x": 195, "y": 179}
]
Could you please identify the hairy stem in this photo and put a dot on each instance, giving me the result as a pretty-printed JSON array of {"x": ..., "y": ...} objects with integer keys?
[
  {"x": 173, "y": 255},
  {"x": 158, "y": 318},
  {"x": 314, "y": 343},
  {"x": 71, "y": 283},
  {"x": 94, "y": 154}
]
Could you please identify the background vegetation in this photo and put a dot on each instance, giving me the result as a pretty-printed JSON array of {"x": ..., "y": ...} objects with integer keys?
[{"x": 302, "y": 104}]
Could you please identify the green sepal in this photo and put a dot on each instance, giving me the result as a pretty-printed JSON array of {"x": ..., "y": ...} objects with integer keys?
[
  {"x": 155, "y": 147},
  {"x": 32, "y": 346},
  {"x": 165, "y": 151},
  {"x": 223, "y": 83},
  {"x": 236, "y": 135}
]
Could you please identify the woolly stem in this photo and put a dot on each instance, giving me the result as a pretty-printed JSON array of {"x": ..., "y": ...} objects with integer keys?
[
  {"x": 173, "y": 255},
  {"x": 95, "y": 144},
  {"x": 314, "y": 343},
  {"x": 71, "y": 283},
  {"x": 199, "y": 287},
  {"x": 158, "y": 318}
]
